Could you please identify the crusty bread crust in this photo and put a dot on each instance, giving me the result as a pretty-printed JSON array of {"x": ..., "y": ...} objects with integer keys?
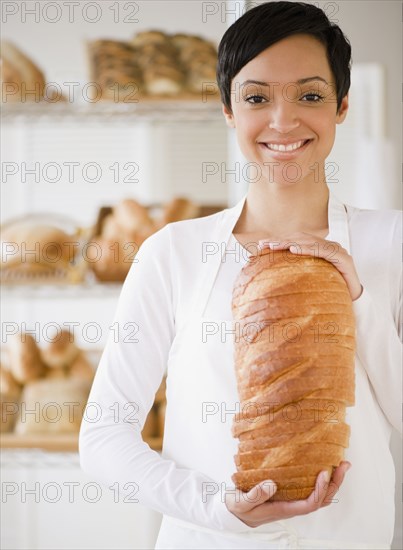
[{"x": 295, "y": 372}]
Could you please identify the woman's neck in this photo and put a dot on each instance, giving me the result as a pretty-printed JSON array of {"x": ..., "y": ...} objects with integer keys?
[{"x": 275, "y": 212}]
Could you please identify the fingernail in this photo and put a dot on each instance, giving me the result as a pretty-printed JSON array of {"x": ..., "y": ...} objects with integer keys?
[
  {"x": 270, "y": 484},
  {"x": 325, "y": 476},
  {"x": 263, "y": 244},
  {"x": 348, "y": 467}
]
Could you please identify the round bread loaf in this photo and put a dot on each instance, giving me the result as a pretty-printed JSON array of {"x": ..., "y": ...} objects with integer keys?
[
  {"x": 179, "y": 209},
  {"x": 25, "y": 358},
  {"x": 38, "y": 244},
  {"x": 61, "y": 351},
  {"x": 8, "y": 384},
  {"x": 294, "y": 362},
  {"x": 132, "y": 216},
  {"x": 81, "y": 368}
]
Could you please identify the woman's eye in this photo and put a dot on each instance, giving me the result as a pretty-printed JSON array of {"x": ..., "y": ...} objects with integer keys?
[
  {"x": 254, "y": 99},
  {"x": 312, "y": 97}
]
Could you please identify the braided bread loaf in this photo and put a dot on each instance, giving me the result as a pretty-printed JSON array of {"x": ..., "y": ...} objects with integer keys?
[{"x": 294, "y": 364}]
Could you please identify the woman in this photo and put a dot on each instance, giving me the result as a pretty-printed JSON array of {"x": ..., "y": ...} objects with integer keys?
[{"x": 284, "y": 76}]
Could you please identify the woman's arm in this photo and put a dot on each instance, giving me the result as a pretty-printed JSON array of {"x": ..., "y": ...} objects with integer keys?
[{"x": 128, "y": 376}]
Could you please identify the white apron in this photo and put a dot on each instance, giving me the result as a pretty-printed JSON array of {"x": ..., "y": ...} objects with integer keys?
[{"x": 219, "y": 387}]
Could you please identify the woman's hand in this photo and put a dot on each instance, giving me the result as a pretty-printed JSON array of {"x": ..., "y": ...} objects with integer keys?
[
  {"x": 254, "y": 508},
  {"x": 306, "y": 244}
]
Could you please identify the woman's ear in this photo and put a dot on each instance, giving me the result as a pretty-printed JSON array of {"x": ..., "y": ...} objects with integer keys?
[
  {"x": 342, "y": 112},
  {"x": 229, "y": 117}
]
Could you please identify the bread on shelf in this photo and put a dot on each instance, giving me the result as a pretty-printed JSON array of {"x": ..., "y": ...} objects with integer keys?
[
  {"x": 150, "y": 425},
  {"x": 81, "y": 368},
  {"x": 25, "y": 361},
  {"x": 178, "y": 209},
  {"x": 61, "y": 351},
  {"x": 114, "y": 67},
  {"x": 161, "y": 417},
  {"x": 34, "y": 251},
  {"x": 53, "y": 381},
  {"x": 59, "y": 405},
  {"x": 118, "y": 236},
  {"x": 10, "y": 391},
  {"x": 294, "y": 370},
  {"x": 21, "y": 80},
  {"x": 8, "y": 384},
  {"x": 154, "y": 64},
  {"x": 154, "y": 425},
  {"x": 132, "y": 217},
  {"x": 199, "y": 59},
  {"x": 57, "y": 393},
  {"x": 112, "y": 259},
  {"x": 122, "y": 229},
  {"x": 145, "y": 38}
]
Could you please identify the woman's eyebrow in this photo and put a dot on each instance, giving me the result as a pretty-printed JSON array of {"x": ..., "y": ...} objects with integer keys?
[{"x": 300, "y": 81}]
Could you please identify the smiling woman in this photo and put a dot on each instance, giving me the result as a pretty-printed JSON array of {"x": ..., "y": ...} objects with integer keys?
[
  {"x": 284, "y": 75},
  {"x": 292, "y": 117}
]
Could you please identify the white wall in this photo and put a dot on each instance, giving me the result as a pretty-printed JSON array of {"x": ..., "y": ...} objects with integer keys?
[{"x": 59, "y": 47}]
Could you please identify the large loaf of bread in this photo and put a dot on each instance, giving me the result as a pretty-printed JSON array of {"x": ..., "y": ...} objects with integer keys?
[{"x": 294, "y": 361}]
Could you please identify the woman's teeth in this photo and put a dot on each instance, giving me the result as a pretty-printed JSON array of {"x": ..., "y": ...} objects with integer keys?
[{"x": 282, "y": 147}]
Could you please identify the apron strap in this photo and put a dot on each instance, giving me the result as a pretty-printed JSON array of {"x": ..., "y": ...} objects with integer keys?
[
  {"x": 226, "y": 224},
  {"x": 338, "y": 222},
  {"x": 338, "y": 231}
]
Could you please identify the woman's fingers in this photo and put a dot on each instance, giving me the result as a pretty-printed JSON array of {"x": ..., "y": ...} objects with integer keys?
[
  {"x": 255, "y": 507},
  {"x": 261, "y": 493},
  {"x": 292, "y": 508},
  {"x": 244, "y": 502},
  {"x": 335, "y": 482},
  {"x": 333, "y": 252}
]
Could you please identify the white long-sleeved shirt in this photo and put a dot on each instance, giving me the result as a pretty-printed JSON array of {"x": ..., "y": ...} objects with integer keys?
[{"x": 174, "y": 316}]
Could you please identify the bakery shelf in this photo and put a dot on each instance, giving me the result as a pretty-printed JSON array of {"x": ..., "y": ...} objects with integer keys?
[
  {"x": 60, "y": 442},
  {"x": 59, "y": 290},
  {"x": 56, "y": 443},
  {"x": 157, "y": 110}
]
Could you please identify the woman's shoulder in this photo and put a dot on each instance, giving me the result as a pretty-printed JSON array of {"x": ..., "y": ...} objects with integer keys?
[
  {"x": 375, "y": 238},
  {"x": 187, "y": 235},
  {"x": 380, "y": 225}
]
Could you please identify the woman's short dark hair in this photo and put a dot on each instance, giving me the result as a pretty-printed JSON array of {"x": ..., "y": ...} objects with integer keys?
[{"x": 268, "y": 23}]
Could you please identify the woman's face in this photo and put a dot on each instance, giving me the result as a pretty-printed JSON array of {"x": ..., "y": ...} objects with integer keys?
[{"x": 284, "y": 109}]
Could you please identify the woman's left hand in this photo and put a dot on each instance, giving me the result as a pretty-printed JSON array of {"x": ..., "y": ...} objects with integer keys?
[{"x": 310, "y": 245}]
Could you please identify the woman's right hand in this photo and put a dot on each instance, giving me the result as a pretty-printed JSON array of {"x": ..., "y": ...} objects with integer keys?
[{"x": 255, "y": 508}]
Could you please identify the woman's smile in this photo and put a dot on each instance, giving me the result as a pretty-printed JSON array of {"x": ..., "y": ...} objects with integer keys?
[{"x": 285, "y": 150}]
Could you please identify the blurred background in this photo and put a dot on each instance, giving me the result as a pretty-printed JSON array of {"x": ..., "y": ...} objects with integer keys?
[{"x": 92, "y": 161}]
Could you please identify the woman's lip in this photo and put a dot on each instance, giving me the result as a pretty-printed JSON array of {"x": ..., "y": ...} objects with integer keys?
[{"x": 285, "y": 154}]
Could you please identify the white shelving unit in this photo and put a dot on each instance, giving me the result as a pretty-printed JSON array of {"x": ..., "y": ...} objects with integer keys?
[
  {"x": 198, "y": 109},
  {"x": 169, "y": 140},
  {"x": 150, "y": 151}
]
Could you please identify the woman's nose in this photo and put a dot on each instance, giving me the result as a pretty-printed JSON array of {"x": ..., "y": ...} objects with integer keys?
[{"x": 283, "y": 117}]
